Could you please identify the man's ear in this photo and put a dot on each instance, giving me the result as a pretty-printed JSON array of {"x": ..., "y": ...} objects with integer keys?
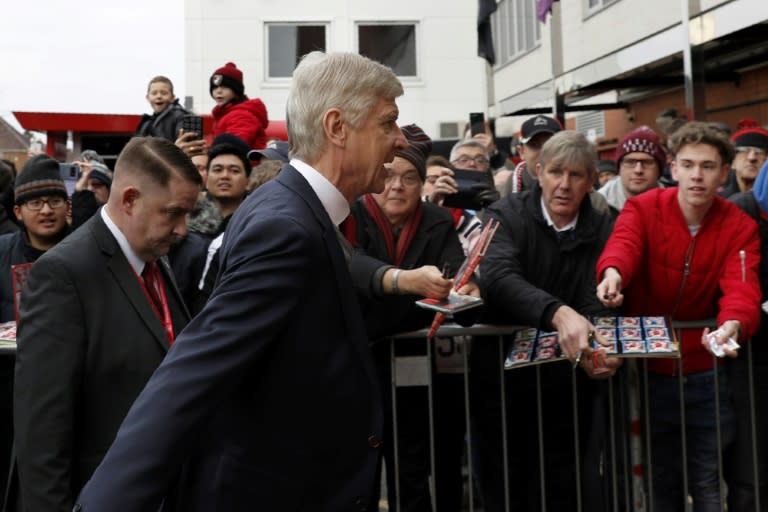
[
  {"x": 673, "y": 169},
  {"x": 334, "y": 126},
  {"x": 537, "y": 169},
  {"x": 128, "y": 197},
  {"x": 17, "y": 211}
]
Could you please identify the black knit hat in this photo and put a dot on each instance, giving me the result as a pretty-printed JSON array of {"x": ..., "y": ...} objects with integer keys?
[
  {"x": 419, "y": 148},
  {"x": 753, "y": 136},
  {"x": 39, "y": 177},
  {"x": 228, "y": 144},
  {"x": 228, "y": 76}
]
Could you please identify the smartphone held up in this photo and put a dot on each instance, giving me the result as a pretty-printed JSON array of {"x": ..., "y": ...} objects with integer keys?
[
  {"x": 192, "y": 123},
  {"x": 476, "y": 123}
]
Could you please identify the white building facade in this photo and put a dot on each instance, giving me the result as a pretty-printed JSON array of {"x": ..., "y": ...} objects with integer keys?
[
  {"x": 625, "y": 51},
  {"x": 432, "y": 45}
]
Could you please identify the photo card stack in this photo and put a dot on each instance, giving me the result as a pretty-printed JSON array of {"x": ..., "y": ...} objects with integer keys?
[{"x": 624, "y": 336}]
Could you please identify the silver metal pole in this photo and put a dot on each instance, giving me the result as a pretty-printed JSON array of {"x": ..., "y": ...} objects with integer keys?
[
  {"x": 684, "y": 443},
  {"x": 395, "y": 449},
  {"x": 431, "y": 407},
  {"x": 612, "y": 433},
  {"x": 648, "y": 456},
  {"x": 468, "y": 424},
  {"x": 687, "y": 59},
  {"x": 577, "y": 448},
  {"x": 540, "y": 419},
  {"x": 504, "y": 446},
  {"x": 718, "y": 436},
  {"x": 753, "y": 425}
]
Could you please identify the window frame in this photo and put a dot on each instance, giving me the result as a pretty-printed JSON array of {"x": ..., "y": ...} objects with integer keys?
[
  {"x": 592, "y": 10},
  {"x": 513, "y": 39},
  {"x": 282, "y": 23},
  {"x": 416, "y": 41}
]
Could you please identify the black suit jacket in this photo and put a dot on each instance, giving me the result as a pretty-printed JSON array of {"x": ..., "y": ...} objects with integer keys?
[
  {"x": 269, "y": 395},
  {"x": 88, "y": 341}
]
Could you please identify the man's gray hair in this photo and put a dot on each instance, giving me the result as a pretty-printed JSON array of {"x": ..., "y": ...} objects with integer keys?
[
  {"x": 322, "y": 81},
  {"x": 569, "y": 147},
  {"x": 471, "y": 143}
]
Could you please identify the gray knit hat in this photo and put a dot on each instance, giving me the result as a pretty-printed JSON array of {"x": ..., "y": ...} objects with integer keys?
[{"x": 102, "y": 173}]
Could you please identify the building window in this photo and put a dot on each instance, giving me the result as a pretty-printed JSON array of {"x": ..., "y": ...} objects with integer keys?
[
  {"x": 596, "y": 5},
  {"x": 392, "y": 44},
  {"x": 287, "y": 43},
  {"x": 516, "y": 30}
]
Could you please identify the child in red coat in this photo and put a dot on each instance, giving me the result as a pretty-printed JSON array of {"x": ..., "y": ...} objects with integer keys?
[{"x": 234, "y": 112}]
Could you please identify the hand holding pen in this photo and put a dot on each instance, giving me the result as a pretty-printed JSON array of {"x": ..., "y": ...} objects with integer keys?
[{"x": 609, "y": 290}]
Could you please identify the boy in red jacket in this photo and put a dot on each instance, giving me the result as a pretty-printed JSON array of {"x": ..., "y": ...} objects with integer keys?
[
  {"x": 687, "y": 253},
  {"x": 234, "y": 112}
]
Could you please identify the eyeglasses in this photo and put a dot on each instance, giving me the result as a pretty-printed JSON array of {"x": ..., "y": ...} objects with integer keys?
[
  {"x": 37, "y": 204},
  {"x": 760, "y": 153},
  {"x": 407, "y": 180},
  {"x": 631, "y": 163},
  {"x": 464, "y": 160}
]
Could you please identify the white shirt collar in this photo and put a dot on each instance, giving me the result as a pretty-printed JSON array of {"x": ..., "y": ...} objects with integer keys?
[
  {"x": 133, "y": 258},
  {"x": 570, "y": 225},
  {"x": 333, "y": 201}
]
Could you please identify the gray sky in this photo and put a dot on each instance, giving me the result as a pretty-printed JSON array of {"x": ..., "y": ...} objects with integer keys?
[{"x": 87, "y": 55}]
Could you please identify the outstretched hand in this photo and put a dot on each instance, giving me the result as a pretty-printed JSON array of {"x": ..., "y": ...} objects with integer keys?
[{"x": 609, "y": 289}]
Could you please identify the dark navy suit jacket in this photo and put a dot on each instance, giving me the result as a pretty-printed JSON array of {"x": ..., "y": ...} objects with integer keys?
[{"x": 268, "y": 400}]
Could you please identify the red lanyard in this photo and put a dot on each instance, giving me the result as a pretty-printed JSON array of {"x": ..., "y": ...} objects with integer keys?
[{"x": 165, "y": 318}]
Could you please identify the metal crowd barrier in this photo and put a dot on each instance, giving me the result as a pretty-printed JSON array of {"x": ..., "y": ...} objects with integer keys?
[
  {"x": 630, "y": 474},
  {"x": 629, "y": 479}
]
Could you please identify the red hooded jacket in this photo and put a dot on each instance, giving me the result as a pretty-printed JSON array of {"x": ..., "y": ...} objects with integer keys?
[
  {"x": 247, "y": 120},
  {"x": 667, "y": 271}
]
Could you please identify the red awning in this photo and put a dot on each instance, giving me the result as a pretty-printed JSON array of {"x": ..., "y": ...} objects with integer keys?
[{"x": 123, "y": 124}]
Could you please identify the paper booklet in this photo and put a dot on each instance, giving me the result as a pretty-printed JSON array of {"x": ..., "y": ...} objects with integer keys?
[
  {"x": 8, "y": 333},
  {"x": 455, "y": 302},
  {"x": 627, "y": 336},
  {"x": 451, "y": 304}
]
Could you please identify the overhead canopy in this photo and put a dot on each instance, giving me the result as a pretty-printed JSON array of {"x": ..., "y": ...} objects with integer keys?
[
  {"x": 119, "y": 124},
  {"x": 722, "y": 59}
]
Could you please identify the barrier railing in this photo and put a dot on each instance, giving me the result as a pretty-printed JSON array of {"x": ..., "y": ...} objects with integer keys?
[
  {"x": 619, "y": 475},
  {"x": 625, "y": 476}
]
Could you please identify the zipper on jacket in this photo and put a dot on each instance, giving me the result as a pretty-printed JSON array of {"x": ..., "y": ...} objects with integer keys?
[{"x": 686, "y": 271}]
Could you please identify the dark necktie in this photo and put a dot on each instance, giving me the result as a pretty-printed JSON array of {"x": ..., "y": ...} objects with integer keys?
[
  {"x": 152, "y": 279},
  {"x": 346, "y": 247}
]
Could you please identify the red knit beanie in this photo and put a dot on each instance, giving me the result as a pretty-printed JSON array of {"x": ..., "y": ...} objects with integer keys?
[
  {"x": 228, "y": 76},
  {"x": 642, "y": 140}
]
